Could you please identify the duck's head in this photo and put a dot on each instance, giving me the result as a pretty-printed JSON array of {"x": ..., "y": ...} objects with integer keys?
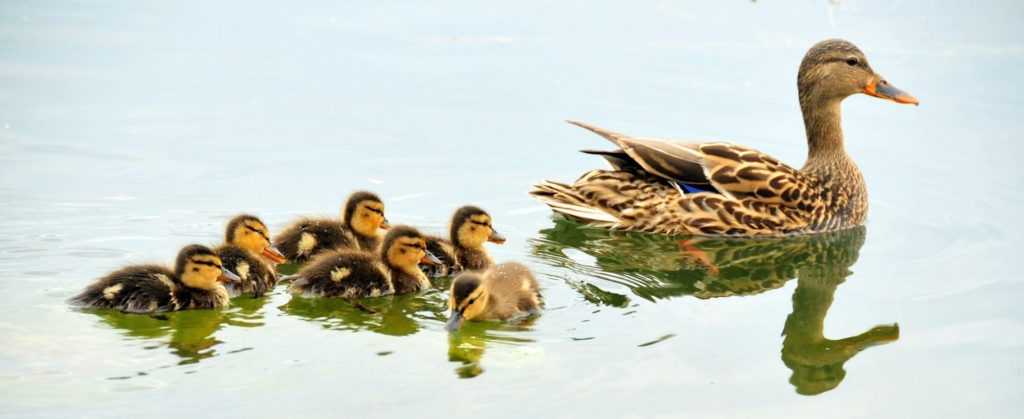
[
  {"x": 471, "y": 227},
  {"x": 199, "y": 267},
  {"x": 405, "y": 248},
  {"x": 248, "y": 232},
  {"x": 364, "y": 214},
  {"x": 834, "y": 69},
  {"x": 467, "y": 299}
]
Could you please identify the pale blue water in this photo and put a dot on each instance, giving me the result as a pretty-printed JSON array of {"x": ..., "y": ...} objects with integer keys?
[{"x": 130, "y": 129}]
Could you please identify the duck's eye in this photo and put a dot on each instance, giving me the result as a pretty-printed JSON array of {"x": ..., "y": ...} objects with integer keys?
[{"x": 852, "y": 61}]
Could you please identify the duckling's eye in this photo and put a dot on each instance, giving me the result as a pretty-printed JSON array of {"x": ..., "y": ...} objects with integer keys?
[
  {"x": 852, "y": 61},
  {"x": 194, "y": 269}
]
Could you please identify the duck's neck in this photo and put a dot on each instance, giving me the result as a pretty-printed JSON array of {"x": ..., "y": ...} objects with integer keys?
[{"x": 823, "y": 123}]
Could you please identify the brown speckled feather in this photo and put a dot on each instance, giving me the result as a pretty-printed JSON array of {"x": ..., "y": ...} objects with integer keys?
[{"x": 754, "y": 194}]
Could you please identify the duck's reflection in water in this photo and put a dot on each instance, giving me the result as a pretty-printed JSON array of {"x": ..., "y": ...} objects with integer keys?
[
  {"x": 467, "y": 345},
  {"x": 398, "y": 315},
  {"x": 657, "y": 267},
  {"x": 817, "y": 362},
  {"x": 190, "y": 333}
]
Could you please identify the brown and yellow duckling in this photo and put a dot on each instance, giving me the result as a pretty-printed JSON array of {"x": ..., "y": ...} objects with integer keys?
[
  {"x": 361, "y": 221},
  {"x": 501, "y": 292},
  {"x": 354, "y": 274},
  {"x": 724, "y": 189},
  {"x": 194, "y": 283},
  {"x": 247, "y": 251},
  {"x": 470, "y": 228}
]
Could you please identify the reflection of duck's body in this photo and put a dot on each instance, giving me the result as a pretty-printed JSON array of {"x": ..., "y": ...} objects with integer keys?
[
  {"x": 501, "y": 292},
  {"x": 193, "y": 284},
  {"x": 357, "y": 274},
  {"x": 470, "y": 228},
  {"x": 247, "y": 243},
  {"x": 362, "y": 218},
  {"x": 724, "y": 189}
]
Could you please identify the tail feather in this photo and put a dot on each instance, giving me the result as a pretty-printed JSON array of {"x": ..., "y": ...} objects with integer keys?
[
  {"x": 561, "y": 198},
  {"x": 612, "y": 136}
]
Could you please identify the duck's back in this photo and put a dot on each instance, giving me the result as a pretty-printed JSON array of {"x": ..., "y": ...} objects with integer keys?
[
  {"x": 513, "y": 291},
  {"x": 344, "y": 274},
  {"x": 258, "y": 277},
  {"x": 445, "y": 252},
  {"x": 473, "y": 259},
  {"x": 307, "y": 237},
  {"x": 133, "y": 289}
]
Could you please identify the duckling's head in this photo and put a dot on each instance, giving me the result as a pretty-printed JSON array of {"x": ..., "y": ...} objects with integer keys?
[
  {"x": 471, "y": 227},
  {"x": 405, "y": 248},
  {"x": 467, "y": 300},
  {"x": 199, "y": 267},
  {"x": 834, "y": 69},
  {"x": 248, "y": 232},
  {"x": 364, "y": 214}
]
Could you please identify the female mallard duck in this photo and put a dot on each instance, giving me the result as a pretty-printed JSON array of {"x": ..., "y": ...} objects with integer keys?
[
  {"x": 247, "y": 243},
  {"x": 355, "y": 274},
  {"x": 360, "y": 221},
  {"x": 470, "y": 228},
  {"x": 194, "y": 283},
  {"x": 724, "y": 189},
  {"x": 502, "y": 291}
]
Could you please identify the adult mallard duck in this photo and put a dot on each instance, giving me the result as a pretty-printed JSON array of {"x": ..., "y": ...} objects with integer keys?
[
  {"x": 195, "y": 282},
  {"x": 469, "y": 229},
  {"x": 724, "y": 189},
  {"x": 361, "y": 220}
]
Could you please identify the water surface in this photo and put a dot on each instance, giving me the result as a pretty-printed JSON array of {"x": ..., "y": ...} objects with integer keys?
[{"x": 128, "y": 130}]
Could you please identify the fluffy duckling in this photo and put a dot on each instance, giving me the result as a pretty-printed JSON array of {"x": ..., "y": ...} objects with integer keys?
[
  {"x": 195, "y": 282},
  {"x": 246, "y": 240},
  {"x": 358, "y": 228},
  {"x": 354, "y": 274},
  {"x": 502, "y": 291},
  {"x": 469, "y": 229}
]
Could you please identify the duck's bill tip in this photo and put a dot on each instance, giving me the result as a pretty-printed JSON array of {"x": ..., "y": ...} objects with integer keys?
[
  {"x": 228, "y": 276},
  {"x": 496, "y": 238},
  {"x": 879, "y": 87},
  {"x": 454, "y": 322},
  {"x": 271, "y": 252}
]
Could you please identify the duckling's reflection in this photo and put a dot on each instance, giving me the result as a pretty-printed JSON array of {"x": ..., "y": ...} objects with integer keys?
[
  {"x": 659, "y": 267},
  {"x": 467, "y": 345},
  {"x": 190, "y": 332},
  {"x": 398, "y": 315}
]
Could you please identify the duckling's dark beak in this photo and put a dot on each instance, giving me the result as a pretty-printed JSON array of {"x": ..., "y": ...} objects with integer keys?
[
  {"x": 879, "y": 87},
  {"x": 384, "y": 225},
  {"x": 430, "y": 259},
  {"x": 273, "y": 254},
  {"x": 454, "y": 322},
  {"x": 228, "y": 276},
  {"x": 495, "y": 237}
]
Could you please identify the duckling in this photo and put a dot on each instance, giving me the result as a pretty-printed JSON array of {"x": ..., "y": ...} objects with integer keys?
[
  {"x": 502, "y": 291},
  {"x": 195, "y": 282},
  {"x": 358, "y": 228},
  {"x": 354, "y": 274},
  {"x": 470, "y": 228},
  {"x": 246, "y": 240}
]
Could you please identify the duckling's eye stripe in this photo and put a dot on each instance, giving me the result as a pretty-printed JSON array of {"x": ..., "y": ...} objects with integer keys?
[
  {"x": 416, "y": 246},
  {"x": 381, "y": 212},
  {"x": 480, "y": 223},
  {"x": 203, "y": 262},
  {"x": 257, "y": 232}
]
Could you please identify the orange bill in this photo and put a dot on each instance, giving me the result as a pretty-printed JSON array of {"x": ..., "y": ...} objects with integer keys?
[
  {"x": 271, "y": 252},
  {"x": 879, "y": 87}
]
